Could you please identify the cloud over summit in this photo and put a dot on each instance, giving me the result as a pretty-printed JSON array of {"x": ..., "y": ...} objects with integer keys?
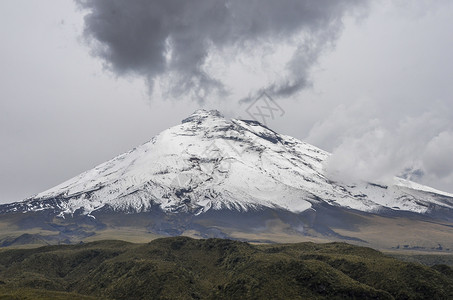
[{"x": 174, "y": 39}]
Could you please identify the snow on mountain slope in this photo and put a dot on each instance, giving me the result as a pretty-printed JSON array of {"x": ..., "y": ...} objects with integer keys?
[{"x": 209, "y": 162}]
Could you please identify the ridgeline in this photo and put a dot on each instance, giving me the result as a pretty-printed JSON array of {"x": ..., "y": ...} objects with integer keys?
[{"x": 185, "y": 268}]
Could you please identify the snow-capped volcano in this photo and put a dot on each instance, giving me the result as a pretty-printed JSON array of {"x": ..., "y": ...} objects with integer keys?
[{"x": 212, "y": 163}]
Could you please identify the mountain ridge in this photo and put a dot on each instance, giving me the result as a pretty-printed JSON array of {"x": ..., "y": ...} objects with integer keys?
[
  {"x": 214, "y": 177},
  {"x": 209, "y": 162}
]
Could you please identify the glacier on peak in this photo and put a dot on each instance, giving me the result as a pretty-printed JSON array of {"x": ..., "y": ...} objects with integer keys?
[
  {"x": 209, "y": 162},
  {"x": 201, "y": 114}
]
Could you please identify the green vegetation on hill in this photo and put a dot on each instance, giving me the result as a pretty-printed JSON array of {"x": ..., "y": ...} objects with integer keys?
[{"x": 185, "y": 268}]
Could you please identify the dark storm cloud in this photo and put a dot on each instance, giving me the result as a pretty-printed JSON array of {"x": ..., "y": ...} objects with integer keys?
[{"x": 174, "y": 38}]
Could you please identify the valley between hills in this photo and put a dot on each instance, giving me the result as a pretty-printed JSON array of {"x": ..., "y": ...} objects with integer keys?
[{"x": 384, "y": 233}]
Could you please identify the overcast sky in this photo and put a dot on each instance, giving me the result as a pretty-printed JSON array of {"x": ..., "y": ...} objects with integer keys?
[{"x": 82, "y": 82}]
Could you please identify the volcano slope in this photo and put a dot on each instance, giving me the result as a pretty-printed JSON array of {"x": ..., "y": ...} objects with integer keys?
[{"x": 215, "y": 177}]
